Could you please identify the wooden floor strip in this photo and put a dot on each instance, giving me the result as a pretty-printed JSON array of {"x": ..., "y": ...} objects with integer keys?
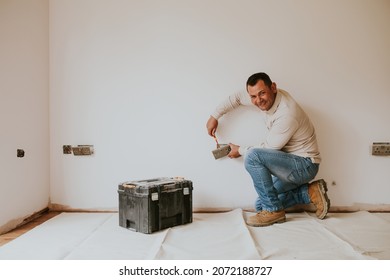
[{"x": 9, "y": 236}]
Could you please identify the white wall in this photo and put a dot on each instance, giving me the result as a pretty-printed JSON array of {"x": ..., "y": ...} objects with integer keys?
[
  {"x": 138, "y": 80},
  {"x": 24, "y": 109}
]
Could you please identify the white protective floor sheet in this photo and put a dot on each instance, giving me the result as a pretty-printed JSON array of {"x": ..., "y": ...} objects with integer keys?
[{"x": 213, "y": 236}]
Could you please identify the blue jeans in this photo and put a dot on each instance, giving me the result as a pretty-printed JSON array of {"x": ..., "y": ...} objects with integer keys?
[{"x": 280, "y": 179}]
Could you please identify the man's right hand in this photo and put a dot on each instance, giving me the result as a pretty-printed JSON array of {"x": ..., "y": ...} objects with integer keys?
[{"x": 211, "y": 126}]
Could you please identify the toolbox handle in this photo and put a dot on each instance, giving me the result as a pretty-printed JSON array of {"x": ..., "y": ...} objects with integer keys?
[
  {"x": 169, "y": 185},
  {"x": 151, "y": 180},
  {"x": 172, "y": 190}
]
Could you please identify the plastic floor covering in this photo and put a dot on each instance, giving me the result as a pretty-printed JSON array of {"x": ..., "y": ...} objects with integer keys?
[{"x": 212, "y": 236}]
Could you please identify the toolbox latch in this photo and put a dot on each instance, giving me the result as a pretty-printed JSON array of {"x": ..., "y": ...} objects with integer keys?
[{"x": 154, "y": 196}]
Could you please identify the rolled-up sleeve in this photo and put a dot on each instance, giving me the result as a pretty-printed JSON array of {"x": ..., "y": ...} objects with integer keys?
[{"x": 233, "y": 101}]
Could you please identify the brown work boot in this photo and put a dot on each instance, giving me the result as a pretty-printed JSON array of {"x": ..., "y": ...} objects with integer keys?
[
  {"x": 317, "y": 193},
  {"x": 266, "y": 218}
]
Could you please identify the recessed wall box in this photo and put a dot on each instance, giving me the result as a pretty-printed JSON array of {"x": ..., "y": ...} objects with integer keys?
[
  {"x": 20, "y": 153},
  {"x": 67, "y": 149},
  {"x": 83, "y": 150},
  {"x": 381, "y": 148}
]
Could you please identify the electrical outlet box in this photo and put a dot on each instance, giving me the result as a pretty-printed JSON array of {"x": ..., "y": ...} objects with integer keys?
[
  {"x": 381, "y": 148},
  {"x": 20, "y": 153},
  {"x": 83, "y": 150},
  {"x": 67, "y": 149}
]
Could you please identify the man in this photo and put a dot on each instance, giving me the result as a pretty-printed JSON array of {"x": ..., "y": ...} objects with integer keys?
[{"x": 282, "y": 166}]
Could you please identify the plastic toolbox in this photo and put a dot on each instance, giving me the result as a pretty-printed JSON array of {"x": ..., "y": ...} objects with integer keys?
[{"x": 151, "y": 205}]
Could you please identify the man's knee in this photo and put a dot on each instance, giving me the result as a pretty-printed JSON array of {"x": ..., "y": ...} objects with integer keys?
[{"x": 252, "y": 158}]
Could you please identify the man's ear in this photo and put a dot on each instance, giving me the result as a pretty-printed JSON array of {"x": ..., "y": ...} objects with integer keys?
[{"x": 273, "y": 87}]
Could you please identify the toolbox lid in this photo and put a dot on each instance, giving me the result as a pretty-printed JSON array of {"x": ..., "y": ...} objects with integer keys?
[{"x": 154, "y": 185}]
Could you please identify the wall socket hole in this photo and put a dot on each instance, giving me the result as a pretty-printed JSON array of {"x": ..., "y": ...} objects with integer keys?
[{"x": 20, "y": 153}]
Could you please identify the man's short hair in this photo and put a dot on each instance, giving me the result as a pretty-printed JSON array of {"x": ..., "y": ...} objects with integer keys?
[{"x": 252, "y": 80}]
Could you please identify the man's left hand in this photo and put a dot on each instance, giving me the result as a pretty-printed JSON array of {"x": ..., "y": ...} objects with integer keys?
[{"x": 234, "y": 151}]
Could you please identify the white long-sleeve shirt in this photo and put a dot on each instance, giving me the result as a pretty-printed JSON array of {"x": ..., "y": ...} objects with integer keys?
[{"x": 289, "y": 128}]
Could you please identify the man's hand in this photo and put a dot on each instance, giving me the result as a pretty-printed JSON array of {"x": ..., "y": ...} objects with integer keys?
[
  {"x": 211, "y": 126},
  {"x": 234, "y": 151}
]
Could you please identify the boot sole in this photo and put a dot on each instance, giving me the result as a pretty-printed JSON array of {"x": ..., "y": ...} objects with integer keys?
[
  {"x": 277, "y": 221},
  {"x": 324, "y": 197}
]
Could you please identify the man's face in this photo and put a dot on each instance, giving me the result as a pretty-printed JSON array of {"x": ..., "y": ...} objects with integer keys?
[{"x": 262, "y": 96}]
